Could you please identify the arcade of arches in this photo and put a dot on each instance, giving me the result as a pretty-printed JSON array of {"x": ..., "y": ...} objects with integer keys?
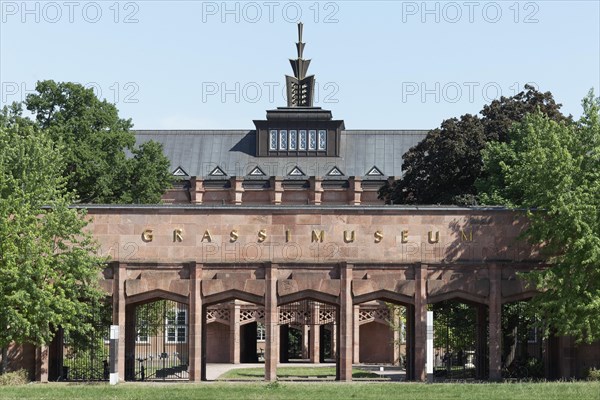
[{"x": 234, "y": 284}]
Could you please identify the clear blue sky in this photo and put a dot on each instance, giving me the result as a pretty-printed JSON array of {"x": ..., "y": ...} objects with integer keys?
[{"x": 378, "y": 64}]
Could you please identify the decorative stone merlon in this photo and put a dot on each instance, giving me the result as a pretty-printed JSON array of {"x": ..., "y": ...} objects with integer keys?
[
  {"x": 316, "y": 189},
  {"x": 276, "y": 189},
  {"x": 236, "y": 192},
  {"x": 196, "y": 190},
  {"x": 354, "y": 190}
]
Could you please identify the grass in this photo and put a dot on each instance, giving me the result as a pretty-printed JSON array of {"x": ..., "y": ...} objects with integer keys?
[
  {"x": 293, "y": 372},
  {"x": 306, "y": 391}
]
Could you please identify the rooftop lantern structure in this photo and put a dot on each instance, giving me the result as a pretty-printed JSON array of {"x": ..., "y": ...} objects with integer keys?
[{"x": 300, "y": 129}]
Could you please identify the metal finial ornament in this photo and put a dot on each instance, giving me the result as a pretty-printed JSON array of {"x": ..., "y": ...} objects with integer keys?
[{"x": 300, "y": 88}]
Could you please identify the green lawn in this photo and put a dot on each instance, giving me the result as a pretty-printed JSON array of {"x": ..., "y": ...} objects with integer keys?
[
  {"x": 308, "y": 391},
  {"x": 293, "y": 372}
]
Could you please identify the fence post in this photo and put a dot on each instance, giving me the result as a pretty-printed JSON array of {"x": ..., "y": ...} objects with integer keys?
[{"x": 114, "y": 345}]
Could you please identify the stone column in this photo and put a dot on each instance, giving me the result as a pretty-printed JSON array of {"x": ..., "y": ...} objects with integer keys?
[
  {"x": 271, "y": 322},
  {"x": 356, "y": 339},
  {"x": 420, "y": 321},
  {"x": 495, "y": 325},
  {"x": 305, "y": 343},
  {"x": 346, "y": 348},
  {"x": 315, "y": 337},
  {"x": 119, "y": 276},
  {"x": 195, "y": 312},
  {"x": 236, "y": 190},
  {"x": 234, "y": 333},
  {"x": 334, "y": 340},
  {"x": 396, "y": 336},
  {"x": 42, "y": 363},
  {"x": 480, "y": 342},
  {"x": 276, "y": 189}
]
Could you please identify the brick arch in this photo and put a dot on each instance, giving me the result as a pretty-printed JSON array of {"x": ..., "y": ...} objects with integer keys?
[
  {"x": 528, "y": 295},
  {"x": 460, "y": 295},
  {"x": 154, "y": 295},
  {"x": 233, "y": 294},
  {"x": 385, "y": 295},
  {"x": 308, "y": 295}
]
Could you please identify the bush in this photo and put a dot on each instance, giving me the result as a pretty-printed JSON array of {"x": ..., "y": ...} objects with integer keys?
[
  {"x": 15, "y": 378},
  {"x": 593, "y": 374}
]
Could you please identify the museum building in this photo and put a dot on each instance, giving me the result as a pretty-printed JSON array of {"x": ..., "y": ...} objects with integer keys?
[{"x": 273, "y": 247}]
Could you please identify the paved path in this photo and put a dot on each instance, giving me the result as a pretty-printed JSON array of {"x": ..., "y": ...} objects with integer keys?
[{"x": 213, "y": 371}]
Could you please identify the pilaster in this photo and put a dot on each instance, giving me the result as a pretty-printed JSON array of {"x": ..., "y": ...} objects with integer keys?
[
  {"x": 495, "y": 328},
  {"x": 195, "y": 319},
  {"x": 271, "y": 322},
  {"x": 346, "y": 348},
  {"x": 119, "y": 312},
  {"x": 420, "y": 322}
]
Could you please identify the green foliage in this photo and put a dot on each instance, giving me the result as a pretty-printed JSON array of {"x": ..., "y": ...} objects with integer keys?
[
  {"x": 454, "y": 326},
  {"x": 95, "y": 143},
  {"x": 593, "y": 374},
  {"x": 89, "y": 363},
  {"x": 15, "y": 378},
  {"x": 48, "y": 269},
  {"x": 518, "y": 321},
  {"x": 443, "y": 168},
  {"x": 273, "y": 385},
  {"x": 148, "y": 175},
  {"x": 554, "y": 167}
]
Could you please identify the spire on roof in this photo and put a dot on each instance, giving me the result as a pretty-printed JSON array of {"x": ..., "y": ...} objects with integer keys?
[{"x": 300, "y": 88}]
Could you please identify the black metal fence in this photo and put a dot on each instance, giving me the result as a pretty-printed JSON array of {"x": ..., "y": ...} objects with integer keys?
[
  {"x": 157, "y": 342},
  {"x": 82, "y": 356},
  {"x": 458, "y": 349}
]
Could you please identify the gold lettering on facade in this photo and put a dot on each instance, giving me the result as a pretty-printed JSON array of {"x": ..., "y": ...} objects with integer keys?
[
  {"x": 288, "y": 235},
  {"x": 262, "y": 235},
  {"x": 404, "y": 236},
  {"x": 378, "y": 236},
  {"x": 177, "y": 235},
  {"x": 430, "y": 237},
  {"x": 349, "y": 239},
  {"x": 466, "y": 236},
  {"x": 317, "y": 236},
  {"x": 147, "y": 235},
  {"x": 206, "y": 237},
  {"x": 233, "y": 236}
]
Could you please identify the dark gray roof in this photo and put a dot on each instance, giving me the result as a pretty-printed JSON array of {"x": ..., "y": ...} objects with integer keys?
[{"x": 199, "y": 152}]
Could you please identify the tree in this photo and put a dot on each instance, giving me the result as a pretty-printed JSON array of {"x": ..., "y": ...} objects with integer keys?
[
  {"x": 48, "y": 270},
  {"x": 553, "y": 169},
  {"x": 95, "y": 141},
  {"x": 443, "y": 168}
]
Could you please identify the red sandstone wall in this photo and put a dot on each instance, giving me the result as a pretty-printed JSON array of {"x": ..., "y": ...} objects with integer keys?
[
  {"x": 470, "y": 236},
  {"x": 217, "y": 343},
  {"x": 376, "y": 343},
  {"x": 21, "y": 357}
]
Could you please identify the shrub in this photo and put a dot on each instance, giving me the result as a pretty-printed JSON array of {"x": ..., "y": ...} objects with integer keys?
[
  {"x": 593, "y": 374},
  {"x": 15, "y": 378}
]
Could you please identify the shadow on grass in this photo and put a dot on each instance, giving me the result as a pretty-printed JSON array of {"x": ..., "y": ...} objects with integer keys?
[{"x": 293, "y": 372}]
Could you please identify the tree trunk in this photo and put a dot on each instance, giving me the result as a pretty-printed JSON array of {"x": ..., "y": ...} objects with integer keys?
[{"x": 4, "y": 364}]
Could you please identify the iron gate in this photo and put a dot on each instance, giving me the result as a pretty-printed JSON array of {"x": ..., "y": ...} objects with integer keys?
[
  {"x": 157, "y": 344},
  {"x": 82, "y": 355},
  {"x": 459, "y": 349}
]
